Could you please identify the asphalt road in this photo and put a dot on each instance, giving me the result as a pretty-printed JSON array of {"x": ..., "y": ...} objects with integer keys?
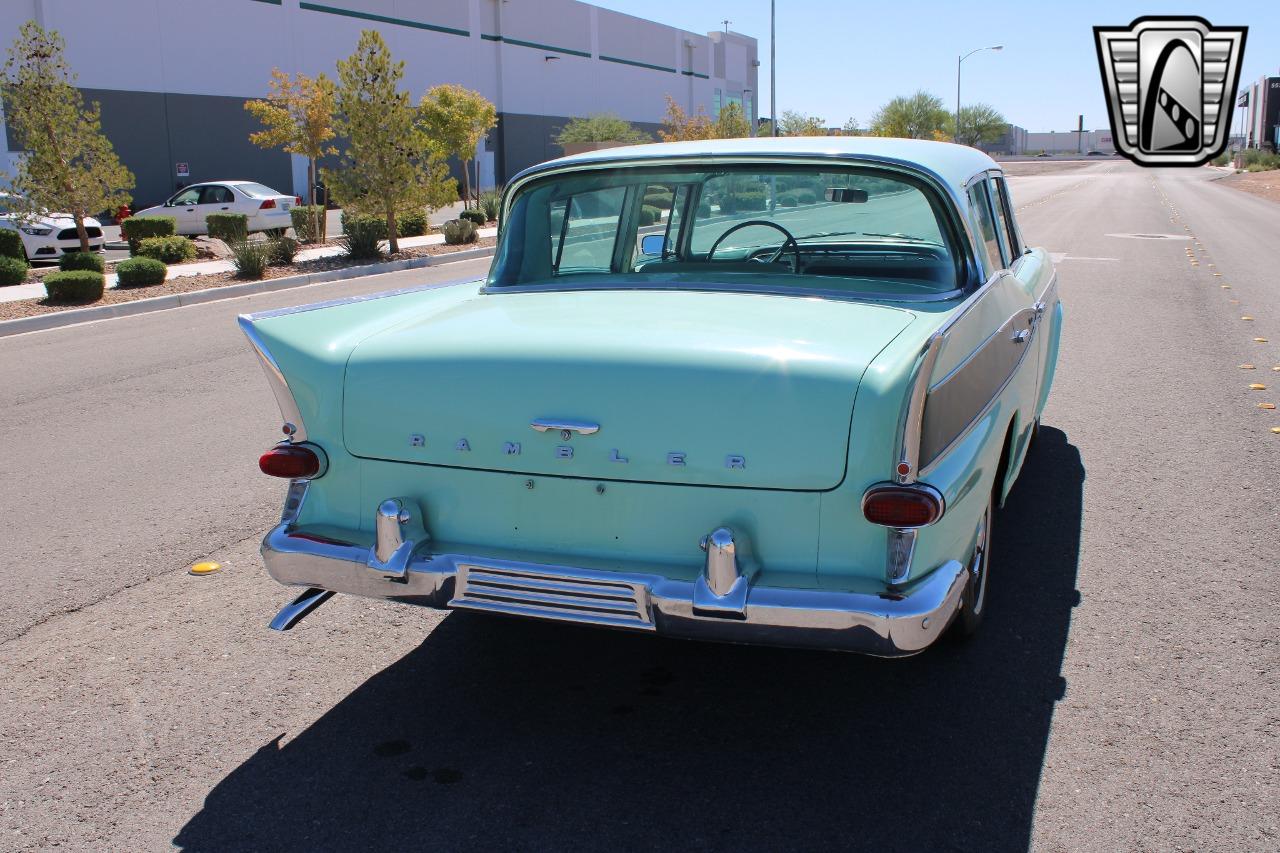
[{"x": 1122, "y": 695}]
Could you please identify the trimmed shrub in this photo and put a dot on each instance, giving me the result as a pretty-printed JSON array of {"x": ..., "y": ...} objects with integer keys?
[
  {"x": 649, "y": 215},
  {"x": 658, "y": 200},
  {"x": 82, "y": 261},
  {"x": 137, "y": 228},
  {"x": 251, "y": 258},
  {"x": 228, "y": 227},
  {"x": 476, "y": 216},
  {"x": 305, "y": 221},
  {"x": 140, "y": 272},
  {"x": 12, "y": 270},
  {"x": 411, "y": 223},
  {"x": 11, "y": 245},
  {"x": 491, "y": 204},
  {"x": 704, "y": 210},
  {"x": 170, "y": 250},
  {"x": 787, "y": 199},
  {"x": 75, "y": 286},
  {"x": 362, "y": 235},
  {"x": 459, "y": 231},
  {"x": 283, "y": 251}
]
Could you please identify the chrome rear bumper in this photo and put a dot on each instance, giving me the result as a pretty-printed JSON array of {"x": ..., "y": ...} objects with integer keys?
[{"x": 893, "y": 623}]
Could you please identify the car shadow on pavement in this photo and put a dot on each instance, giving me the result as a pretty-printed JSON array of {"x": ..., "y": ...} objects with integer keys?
[{"x": 508, "y": 734}]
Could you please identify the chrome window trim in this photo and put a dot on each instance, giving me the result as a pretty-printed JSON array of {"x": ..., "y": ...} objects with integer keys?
[
  {"x": 275, "y": 378},
  {"x": 959, "y": 201},
  {"x": 710, "y": 287}
]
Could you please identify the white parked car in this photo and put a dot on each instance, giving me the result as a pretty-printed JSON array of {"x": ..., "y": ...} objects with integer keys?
[
  {"x": 48, "y": 235},
  {"x": 265, "y": 207}
]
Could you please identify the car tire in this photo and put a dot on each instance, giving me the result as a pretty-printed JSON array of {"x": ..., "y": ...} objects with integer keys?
[{"x": 973, "y": 601}]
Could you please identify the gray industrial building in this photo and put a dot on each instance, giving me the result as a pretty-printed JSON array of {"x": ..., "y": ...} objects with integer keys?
[
  {"x": 172, "y": 76},
  {"x": 1259, "y": 106}
]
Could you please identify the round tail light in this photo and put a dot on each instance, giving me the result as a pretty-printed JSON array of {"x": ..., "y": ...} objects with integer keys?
[
  {"x": 292, "y": 461},
  {"x": 902, "y": 506}
]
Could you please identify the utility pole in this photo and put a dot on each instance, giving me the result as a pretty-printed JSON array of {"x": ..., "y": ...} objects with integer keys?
[
  {"x": 773, "y": 69},
  {"x": 1080, "y": 135},
  {"x": 955, "y": 137},
  {"x": 726, "y": 23}
]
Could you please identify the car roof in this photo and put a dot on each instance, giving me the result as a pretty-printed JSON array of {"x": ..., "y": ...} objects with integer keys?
[{"x": 954, "y": 164}]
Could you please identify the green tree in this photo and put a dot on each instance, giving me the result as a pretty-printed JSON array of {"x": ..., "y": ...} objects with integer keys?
[
  {"x": 795, "y": 124},
  {"x": 851, "y": 128},
  {"x": 68, "y": 165},
  {"x": 732, "y": 122},
  {"x": 297, "y": 116},
  {"x": 389, "y": 164},
  {"x": 456, "y": 119},
  {"x": 920, "y": 116},
  {"x": 603, "y": 127},
  {"x": 978, "y": 123}
]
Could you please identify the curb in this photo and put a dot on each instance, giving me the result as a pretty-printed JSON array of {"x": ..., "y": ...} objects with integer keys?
[{"x": 74, "y": 316}]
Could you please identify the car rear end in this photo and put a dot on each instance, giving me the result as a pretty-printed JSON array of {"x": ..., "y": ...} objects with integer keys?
[{"x": 266, "y": 208}]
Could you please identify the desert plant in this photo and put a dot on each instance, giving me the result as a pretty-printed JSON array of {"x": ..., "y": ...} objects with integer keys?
[
  {"x": 170, "y": 250},
  {"x": 491, "y": 203},
  {"x": 75, "y": 286},
  {"x": 228, "y": 227},
  {"x": 140, "y": 272},
  {"x": 306, "y": 219},
  {"x": 138, "y": 228},
  {"x": 11, "y": 245},
  {"x": 649, "y": 214},
  {"x": 362, "y": 236},
  {"x": 603, "y": 127},
  {"x": 661, "y": 200},
  {"x": 12, "y": 270},
  {"x": 704, "y": 210},
  {"x": 250, "y": 258},
  {"x": 283, "y": 251},
  {"x": 459, "y": 231},
  {"x": 412, "y": 223},
  {"x": 82, "y": 261},
  {"x": 476, "y": 216}
]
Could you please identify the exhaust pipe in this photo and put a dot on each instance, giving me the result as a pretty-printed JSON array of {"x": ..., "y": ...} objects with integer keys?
[{"x": 295, "y": 611}]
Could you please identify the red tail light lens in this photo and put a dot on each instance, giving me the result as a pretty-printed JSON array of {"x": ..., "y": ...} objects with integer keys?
[
  {"x": 297, "y": 199},
  {"x": 902, "y": 506},
  {"x": 290, "y": 461},
  {"x": 268, "y": 204}
]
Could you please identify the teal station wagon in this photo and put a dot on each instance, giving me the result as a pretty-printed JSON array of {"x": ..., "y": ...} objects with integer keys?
[{"x": 758, "y": 390}]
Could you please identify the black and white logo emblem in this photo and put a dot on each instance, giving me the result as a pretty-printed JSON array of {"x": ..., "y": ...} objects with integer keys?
[{"x": 1170, "y": 84}]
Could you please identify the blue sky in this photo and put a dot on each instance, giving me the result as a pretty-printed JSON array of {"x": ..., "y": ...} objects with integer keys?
[{"x": 842, "y": 58}]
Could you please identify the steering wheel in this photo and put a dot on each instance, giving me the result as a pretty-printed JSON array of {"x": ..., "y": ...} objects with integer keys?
[{"x": 790, "y": 241}]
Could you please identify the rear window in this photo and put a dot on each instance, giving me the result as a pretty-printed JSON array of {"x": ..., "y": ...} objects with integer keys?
[
  {"x": 812, "y": 228},
  {"x": 257, "y": 190}
]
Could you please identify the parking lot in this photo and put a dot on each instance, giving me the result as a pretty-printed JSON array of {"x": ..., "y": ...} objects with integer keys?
[{"x": 1121, "y": 695}]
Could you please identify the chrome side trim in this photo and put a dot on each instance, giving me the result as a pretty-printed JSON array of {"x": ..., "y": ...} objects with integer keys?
[
  {"x": 969, "y": 390},
  {"x": 275, "y": 378},
  {"x": 717, "y": 287},
  {"x": 907, "y": 464},
  {"x": 902, "y": 548}
]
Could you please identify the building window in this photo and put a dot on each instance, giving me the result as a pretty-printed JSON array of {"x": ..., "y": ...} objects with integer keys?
[{"x": 716, "y": 104}]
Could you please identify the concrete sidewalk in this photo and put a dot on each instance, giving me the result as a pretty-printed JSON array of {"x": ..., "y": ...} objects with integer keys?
[{"x": 35, "y": 290}]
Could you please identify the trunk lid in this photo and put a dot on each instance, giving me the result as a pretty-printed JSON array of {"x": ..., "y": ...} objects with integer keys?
[{"x": 685, "y": 387}]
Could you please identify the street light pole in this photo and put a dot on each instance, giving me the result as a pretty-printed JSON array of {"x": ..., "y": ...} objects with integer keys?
[
  {"x": 773, "y": 69},
  {"x": 955, "y": 136}
]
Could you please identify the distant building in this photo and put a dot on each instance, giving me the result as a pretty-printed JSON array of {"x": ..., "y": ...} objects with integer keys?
[
  {"x": 1012, "y": 141},
  {"x": 1260, "y": 106},
  {"x": 1070, "y": 141},
  {"x": 172, "y": 77}
]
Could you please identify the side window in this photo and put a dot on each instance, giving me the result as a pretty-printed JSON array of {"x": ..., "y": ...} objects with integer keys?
[
  {"x": 188, "y": 196},
  {"x": 983, "y": 218},
  {"x": 217, "y": 195},
  {"x": 584, "y": 230},
  {"x": 1004, "y": 217},
  {"x": 660, "y": 219}
]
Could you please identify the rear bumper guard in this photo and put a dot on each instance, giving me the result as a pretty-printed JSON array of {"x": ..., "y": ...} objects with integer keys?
[{"x": 721, "y": 604}]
